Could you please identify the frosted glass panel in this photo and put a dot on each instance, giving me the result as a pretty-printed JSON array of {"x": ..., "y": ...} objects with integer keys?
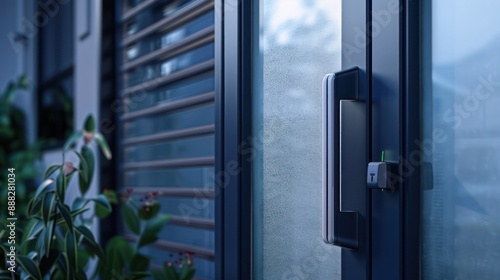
[
  {"x": 299, "y": 42},
  {"x": 461, "y": 125}
]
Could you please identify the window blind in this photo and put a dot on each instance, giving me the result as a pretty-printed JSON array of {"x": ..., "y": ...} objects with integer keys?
[{"x": 167, "y": 130}]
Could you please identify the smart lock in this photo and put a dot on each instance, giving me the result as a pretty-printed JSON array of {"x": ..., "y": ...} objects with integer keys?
[{"x": 382, "y": 175}]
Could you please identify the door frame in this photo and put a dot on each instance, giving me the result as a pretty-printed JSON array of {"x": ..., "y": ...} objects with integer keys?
[
  {"x": 390, "y": 58},
  {"x": 412, "y": 136},
  {"x": 234, "y": 27},
  {"x": 233, "y": 91},
  {"x": 356, "y": 264}
]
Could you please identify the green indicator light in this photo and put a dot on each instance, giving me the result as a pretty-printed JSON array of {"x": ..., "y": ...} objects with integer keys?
[{"x": 383, "y": 156}]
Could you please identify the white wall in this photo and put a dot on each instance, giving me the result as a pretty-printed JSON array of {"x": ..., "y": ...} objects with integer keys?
[
  {"x": 87, "y": 72},
  {"x": 87, "y": 77}
]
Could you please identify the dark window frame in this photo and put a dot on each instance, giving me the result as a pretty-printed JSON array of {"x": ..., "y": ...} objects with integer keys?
[
  {"x": 233, "y": 63},
  {"x": 108, "y": 124},
  {"x": 46, "y": 84}
]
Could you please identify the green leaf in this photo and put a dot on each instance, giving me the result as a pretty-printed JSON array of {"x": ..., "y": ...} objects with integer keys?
[
  {"x": 101, "y": 141},
  {"x": 153, "y": 227},
  {"x": 89, "y": 125},
  {"x": 65, "y": 266},
  {"x": 72, "y": 249},
  {"x": 139, "y": 263},
  {"x": 48, "y": 206},
  {"x": 32, "y": 255},
  {"x": 184, "y": 269},
  {"x": 65, "y": 212},
  {"x": 147, "y": 212},
  {"x": 40, "y": 243},
  {"x": 33, "y": 228},
  {"x": 101, "y": 212},
  {"x": 89, "y": 241},
  {"x": 158, "y": 274},
  {"x": 80, "y": 275},
  {"x": 73, "y": 215},
  {"x": 28, "y": 246},
  {"x": 112, "y": 196},
  {"x": 83, "y": 257},
  {"x": 119, "y": 253},
  {"x": 23, "y": 82},
  {"x": 42, "y": 187},
  {"x": 73, "y": 139},
  {"x": 10, "y": 93},
  {"x": 87, "y": 163},
  {"x": 189, "y": 274},
  {"x": 83, "y": 167},
  {"x": 48, "y": 234},
  {"x": 102, "y": 206},
  {"x": 61, "y": 184},
  {"x": 78, "y": 203},
  {"x": 130, "y": 218},
  {"x": 34, "y": 207},
  {"x": 29, "y": 266},
  {"x": 47, "y": 262},
  {"x": 170, "y": 272},
  {"x": 50, "y": 170}
]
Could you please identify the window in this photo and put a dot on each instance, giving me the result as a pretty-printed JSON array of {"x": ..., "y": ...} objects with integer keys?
[
  {"x": 167, "y": 121},
  {"x": 55, "y": 73}
]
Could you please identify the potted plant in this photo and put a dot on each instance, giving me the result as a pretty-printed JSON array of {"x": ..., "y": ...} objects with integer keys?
[{"x": 57, "y": 242}]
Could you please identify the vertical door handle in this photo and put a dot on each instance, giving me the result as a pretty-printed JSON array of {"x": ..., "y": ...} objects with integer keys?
[{"x": 344, "y": 129}]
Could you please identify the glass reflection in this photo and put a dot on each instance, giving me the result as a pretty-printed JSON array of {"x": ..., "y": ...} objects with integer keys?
[
  {"x": 170, "y": 65},
  {"x": 160, "y": 9},
  {"x": 183, "y": 89},
  {"x": 188, "y": 177},
  {"x": 461, "y": 209},
  {"x": 184, "y": 148},
  {"x": 170, "y": 121},
  {"x": 165, "y": 39}
]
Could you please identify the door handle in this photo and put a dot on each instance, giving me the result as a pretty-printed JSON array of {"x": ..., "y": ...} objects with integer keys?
[{"x": 344, "y": 146}]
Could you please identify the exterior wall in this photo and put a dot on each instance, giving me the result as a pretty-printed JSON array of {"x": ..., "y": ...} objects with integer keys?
[
  {"x": 17, "y": 58},
  {"x": 8, "y": 56},
  {"x": 87, "y": 74},
  {"x": 87, "y": 78}
]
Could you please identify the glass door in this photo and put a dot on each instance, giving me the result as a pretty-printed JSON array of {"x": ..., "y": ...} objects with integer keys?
[
  {"x": 461, "y": 120},
  {"x": 428, "y": 74},
  {"x": 295, "y": 44}
]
